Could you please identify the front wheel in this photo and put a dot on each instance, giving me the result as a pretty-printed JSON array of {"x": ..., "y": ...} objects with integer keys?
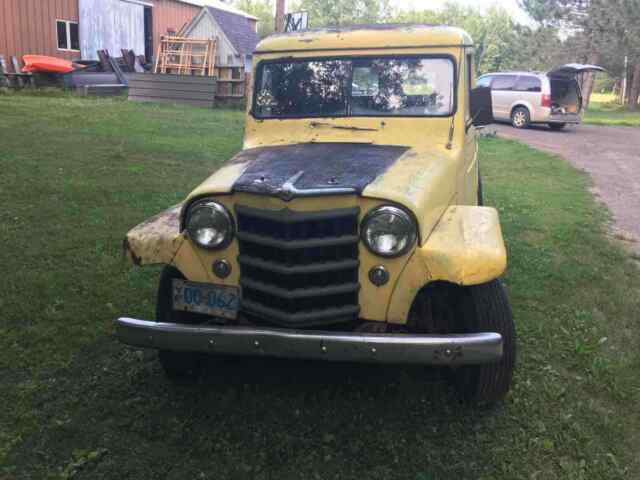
[
  {"x": 487, "y": 309},
  {"x": 520, "y": 117},
  {"x": 177, "y": 365}
]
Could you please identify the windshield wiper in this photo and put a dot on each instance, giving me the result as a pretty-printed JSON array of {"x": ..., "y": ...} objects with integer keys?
[{"x": 341, "y": 127}]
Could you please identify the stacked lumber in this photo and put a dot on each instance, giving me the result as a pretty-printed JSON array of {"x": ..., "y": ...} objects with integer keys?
[{"x": 186, "y": 56}]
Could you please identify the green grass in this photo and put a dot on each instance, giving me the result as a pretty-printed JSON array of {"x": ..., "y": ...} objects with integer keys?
[
  {"x": 77, "y": 173},
  {"x": 603, "y": 110}
]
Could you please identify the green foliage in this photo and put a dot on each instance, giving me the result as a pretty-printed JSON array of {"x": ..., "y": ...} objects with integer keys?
[
  {"x": 333, "y": 13},
  {"x": 497, "y": 37},
  {"x": 263, "y": 10}
]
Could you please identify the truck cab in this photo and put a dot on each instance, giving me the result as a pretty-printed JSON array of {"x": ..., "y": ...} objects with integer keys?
[{"x": 350, "y": 226}]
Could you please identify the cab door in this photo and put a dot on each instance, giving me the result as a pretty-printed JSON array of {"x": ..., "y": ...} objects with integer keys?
[{"x": 469, "y": 172}]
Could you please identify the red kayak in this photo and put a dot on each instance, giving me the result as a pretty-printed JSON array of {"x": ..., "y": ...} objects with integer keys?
[{"x": 41, "y": 63}]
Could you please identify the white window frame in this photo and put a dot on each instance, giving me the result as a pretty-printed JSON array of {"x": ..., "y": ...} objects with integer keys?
[{"x": 68, "y": 29}]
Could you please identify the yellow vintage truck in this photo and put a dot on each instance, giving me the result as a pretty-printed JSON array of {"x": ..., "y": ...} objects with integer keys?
[{"x": 350, "y": 227}]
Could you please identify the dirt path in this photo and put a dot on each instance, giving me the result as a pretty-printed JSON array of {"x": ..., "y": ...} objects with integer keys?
[{"x": 610, "y": 154}]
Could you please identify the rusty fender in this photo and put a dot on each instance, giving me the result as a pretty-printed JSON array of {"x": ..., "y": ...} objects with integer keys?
[
  {"x": 465, "y": 248},
  {"x": 156, "y": 240}
]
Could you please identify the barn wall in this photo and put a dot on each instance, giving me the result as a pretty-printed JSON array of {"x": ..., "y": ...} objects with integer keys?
[
  {"x": 29, "y": 27},
  {"x": 170, "y": 14}
]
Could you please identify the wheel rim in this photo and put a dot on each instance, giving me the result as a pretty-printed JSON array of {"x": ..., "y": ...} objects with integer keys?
[{"x": 519, "y": 118}]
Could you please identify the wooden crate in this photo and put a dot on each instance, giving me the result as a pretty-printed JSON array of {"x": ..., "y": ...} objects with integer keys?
[
  {"x": 167, "y": 88},
  {"x": 231, "y": 82}
]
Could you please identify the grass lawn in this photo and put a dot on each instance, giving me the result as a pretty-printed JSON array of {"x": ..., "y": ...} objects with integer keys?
[
  {"x": 77, "y": 173},
  {"x": 603, "y": 110}
]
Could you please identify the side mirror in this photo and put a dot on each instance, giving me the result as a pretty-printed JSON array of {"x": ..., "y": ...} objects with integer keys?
[{"x": 481, "y": 106}]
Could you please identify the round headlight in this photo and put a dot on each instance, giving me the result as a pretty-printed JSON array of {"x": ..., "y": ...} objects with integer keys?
[
  {"x": 209, "y": 224},
  {"x": 388, "y": 231}
]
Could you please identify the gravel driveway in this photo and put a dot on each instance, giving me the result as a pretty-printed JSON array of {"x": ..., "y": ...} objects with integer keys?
[{"x": 610, "y": 154}]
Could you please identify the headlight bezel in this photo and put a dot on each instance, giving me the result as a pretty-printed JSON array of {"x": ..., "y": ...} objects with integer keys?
[
  {"x": 398, "y": 212},
  {"x": 218, "y": 208}
]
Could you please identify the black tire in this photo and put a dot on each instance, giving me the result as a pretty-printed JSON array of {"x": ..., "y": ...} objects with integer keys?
[
  {"x": 520, "y": 117},
  {"x": 177, "y": 366},
  {"x": 557, "y": 126},
  {"x": 487, "y": 309}
]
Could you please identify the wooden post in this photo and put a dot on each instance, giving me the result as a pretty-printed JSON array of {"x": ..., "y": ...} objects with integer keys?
[{"x": 280, "y": 8}]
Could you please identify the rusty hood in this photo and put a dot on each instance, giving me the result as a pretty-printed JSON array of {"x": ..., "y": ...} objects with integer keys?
[{"x": 308, "y": 169}]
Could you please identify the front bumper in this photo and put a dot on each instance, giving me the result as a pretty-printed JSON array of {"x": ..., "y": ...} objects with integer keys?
[{"x": 463, "y": 349}]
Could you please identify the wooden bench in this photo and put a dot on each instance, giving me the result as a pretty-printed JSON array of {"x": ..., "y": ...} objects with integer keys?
[{"x": 17, "y": 79}]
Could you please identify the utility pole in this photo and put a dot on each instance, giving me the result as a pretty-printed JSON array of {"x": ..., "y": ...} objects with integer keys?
[{"x": 280, "y": 8}]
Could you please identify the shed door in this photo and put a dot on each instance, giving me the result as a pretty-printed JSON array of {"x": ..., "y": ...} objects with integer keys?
[{"x": 111, "y": 25}]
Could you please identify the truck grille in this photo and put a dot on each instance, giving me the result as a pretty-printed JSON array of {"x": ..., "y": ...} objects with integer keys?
[{"x": 299, "y": 268}]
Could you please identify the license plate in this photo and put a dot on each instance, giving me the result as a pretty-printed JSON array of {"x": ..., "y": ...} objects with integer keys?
[{"x": 214, "y": 300}]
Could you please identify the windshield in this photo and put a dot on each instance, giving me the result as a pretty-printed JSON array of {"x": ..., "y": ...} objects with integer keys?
[{"x": 338, "y": 87}]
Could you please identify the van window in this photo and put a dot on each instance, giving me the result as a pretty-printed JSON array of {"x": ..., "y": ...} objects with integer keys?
[
  {"x": 484, "y": 81},
  {"x": 528, "y": 84},
  {"x": 503, "y": 82}
]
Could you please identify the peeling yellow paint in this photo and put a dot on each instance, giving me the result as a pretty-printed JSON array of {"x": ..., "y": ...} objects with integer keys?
[{"x": 156, "y": 240}]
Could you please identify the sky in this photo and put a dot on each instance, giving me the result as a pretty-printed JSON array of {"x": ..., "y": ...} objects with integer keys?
[{"x": 510, "y": 5}]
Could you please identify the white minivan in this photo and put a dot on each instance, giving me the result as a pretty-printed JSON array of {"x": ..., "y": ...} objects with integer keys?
[{"x": 525, "y": 98}]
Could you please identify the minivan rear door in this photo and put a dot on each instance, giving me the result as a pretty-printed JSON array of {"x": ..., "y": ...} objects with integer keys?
[{"x": 572, "y": 69}]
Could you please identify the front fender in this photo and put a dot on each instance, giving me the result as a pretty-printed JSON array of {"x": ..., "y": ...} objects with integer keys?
[
  {"x": 156, "y": 240},
  {"x": 466, "y": 248}
]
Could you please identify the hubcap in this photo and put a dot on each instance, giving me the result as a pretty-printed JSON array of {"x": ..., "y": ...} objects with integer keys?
[{"x": 519, "y": 118}]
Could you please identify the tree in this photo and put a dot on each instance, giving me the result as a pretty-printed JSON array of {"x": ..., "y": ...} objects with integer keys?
[
  {"x": 335, "y": 13},
  {"x": 263, "y": 10},
  {"x": 495, "y": 34}
]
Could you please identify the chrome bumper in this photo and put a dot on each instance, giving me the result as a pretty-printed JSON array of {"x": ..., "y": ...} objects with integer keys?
[{"x": 475, "y": 348}]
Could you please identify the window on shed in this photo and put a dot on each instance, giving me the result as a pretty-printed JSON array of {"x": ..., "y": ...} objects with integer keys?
[
  {"x": 503, "y": 82},
  {"x": 68, "y": 35},
  {"x": 528, "y": 84}
]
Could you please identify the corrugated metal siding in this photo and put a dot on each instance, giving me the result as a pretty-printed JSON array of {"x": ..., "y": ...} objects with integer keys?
[
  {"x": 29, "y": 26},
  {"x": 169, "y": 14}
]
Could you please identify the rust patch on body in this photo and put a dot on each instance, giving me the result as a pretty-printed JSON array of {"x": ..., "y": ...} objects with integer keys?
[{"x": 155, "y": 240}]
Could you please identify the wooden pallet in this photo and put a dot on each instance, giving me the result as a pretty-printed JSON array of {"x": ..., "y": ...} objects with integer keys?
[{"x": 186, "y": 56}]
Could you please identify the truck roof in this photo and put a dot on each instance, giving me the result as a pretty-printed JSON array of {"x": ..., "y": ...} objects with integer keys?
[{"x": 366, "y": 37}]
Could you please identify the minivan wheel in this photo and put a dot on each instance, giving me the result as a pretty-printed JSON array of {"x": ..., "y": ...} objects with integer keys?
[
  {"x": 557, "y": 126},
  {"x": 520, "y": 117}
]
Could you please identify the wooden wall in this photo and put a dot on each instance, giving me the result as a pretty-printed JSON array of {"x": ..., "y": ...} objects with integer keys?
[
  {"x": 170, "y": 14},
  {"x": 29, "y": 26}
]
